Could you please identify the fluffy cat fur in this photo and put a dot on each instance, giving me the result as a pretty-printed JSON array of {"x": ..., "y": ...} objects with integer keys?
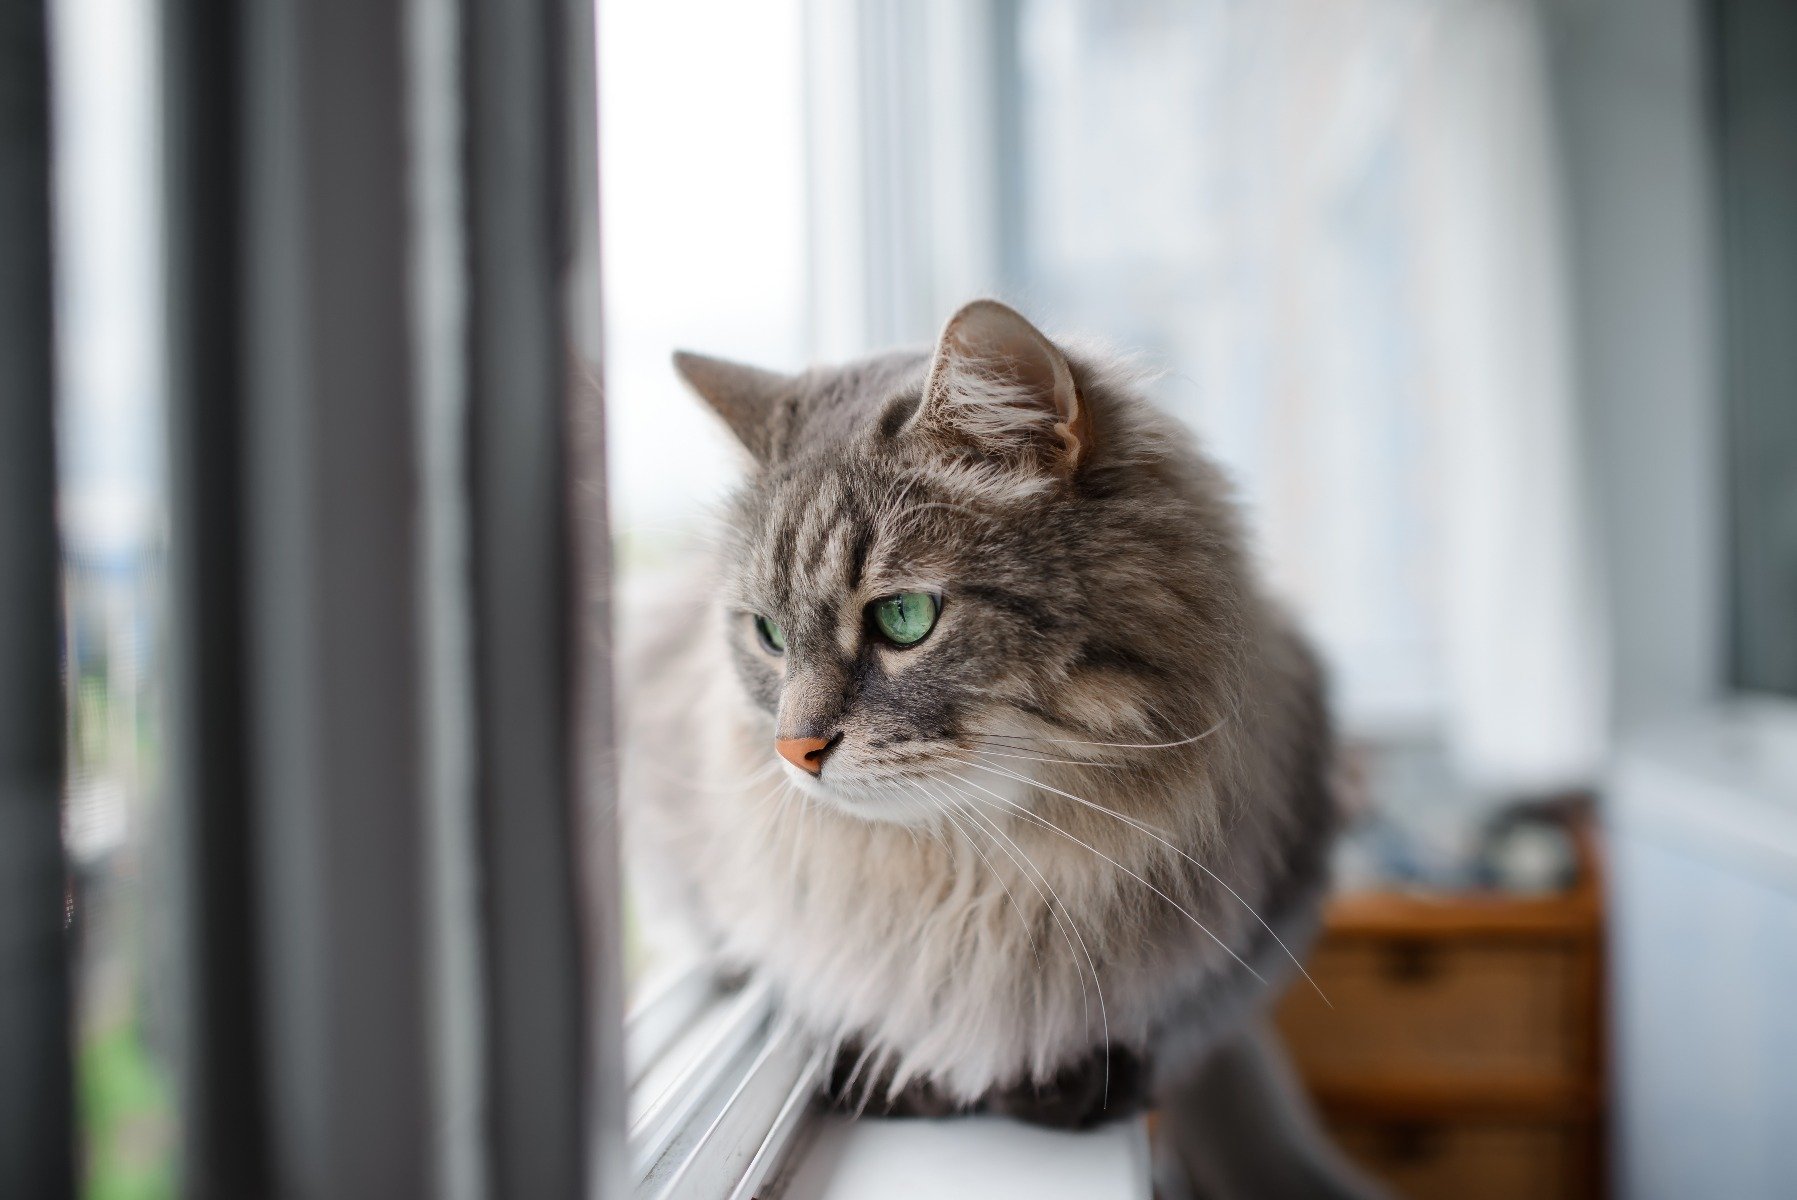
[{"x": 1067, "y": 843}]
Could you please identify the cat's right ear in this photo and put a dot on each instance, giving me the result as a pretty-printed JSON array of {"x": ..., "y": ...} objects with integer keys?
[
  {"x": 998, "y": 384},
  {"x": 746, "y": 397}
]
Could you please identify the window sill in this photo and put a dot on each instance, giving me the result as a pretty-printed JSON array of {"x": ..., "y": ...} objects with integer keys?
[
  {"x": 968, "y": 1157},
  {"x": 721, "y": 1109}
]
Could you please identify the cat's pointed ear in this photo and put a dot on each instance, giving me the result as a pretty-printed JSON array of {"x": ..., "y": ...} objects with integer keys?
[
  {"x": 746, "y": 397},
  {"x": 998, "y": 383}
]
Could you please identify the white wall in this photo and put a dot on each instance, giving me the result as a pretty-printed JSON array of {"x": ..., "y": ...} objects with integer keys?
[
  {"x": 1703, "y": 932},
  {"x": 1703, "y": 869}
]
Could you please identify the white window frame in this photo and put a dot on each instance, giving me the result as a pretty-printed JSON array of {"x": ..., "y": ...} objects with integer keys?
[{"x": 904, "y": 109}]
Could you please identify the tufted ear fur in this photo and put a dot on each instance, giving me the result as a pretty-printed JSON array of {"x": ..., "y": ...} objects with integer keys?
[
  {"x": 746, "y": 397},
  {"x": 998, "y": 384}
]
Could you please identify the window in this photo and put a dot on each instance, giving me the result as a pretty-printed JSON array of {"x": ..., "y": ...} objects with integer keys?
[
  {"x": 342, "y": 890},
  {"x": 1279, "y": 207},
  {"x": 326, "y": 322},
  {"x": 1266, "y": 242},
  {"x": 1274, "y": 201},
  {"x": 690, "y": 264},
  {"x": 1756, "y": 101},
  {"x": 119, "y": 827},
  {"x": 36, "y": 1094}
]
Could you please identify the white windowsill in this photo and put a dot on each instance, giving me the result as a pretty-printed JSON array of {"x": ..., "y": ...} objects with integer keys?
[
  {"x": 1721, "y": 784},
  {"x": 970, "y": 1158},
  {"x": 722, "y": 1109}
]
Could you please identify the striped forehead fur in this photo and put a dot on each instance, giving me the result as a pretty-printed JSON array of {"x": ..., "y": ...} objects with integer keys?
[{"x": 1090, "y": 806}]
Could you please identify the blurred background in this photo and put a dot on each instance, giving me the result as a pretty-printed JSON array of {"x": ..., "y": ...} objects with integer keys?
[{"x": 1486, "y": 305}]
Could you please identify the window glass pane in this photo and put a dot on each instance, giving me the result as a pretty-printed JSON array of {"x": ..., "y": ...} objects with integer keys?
[
  {"x": 1336, "y": 233},
  {"x": 116, "y": 816},
  {"x": 1757, "y": 98},
  {"x": 1233, "y": 190},
  {"x": 702, "y": 199},
  {"x": 702, "y": 183}
]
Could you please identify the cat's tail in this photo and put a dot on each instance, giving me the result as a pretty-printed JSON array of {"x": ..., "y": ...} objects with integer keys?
[{"x": 1243, "y": 1129}]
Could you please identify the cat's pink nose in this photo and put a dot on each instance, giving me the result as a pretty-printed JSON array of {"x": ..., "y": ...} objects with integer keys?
[{"x": 805, "y": 753}]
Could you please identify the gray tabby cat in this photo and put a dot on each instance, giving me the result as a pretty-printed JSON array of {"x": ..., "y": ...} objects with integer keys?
[{"x": 980, "y": 740}]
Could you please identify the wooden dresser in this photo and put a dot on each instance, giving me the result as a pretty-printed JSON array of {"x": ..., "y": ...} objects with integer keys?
[{"x": 1463, "y": 1057}]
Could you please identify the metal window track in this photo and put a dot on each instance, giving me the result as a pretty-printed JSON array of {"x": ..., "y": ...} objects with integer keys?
[{"x": 721, "y": 1092}]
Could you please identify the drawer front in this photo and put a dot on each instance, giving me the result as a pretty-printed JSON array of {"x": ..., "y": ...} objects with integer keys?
[
  {"x": 1471, "y": 1160},
  {"x": 1416, "y": 1011}
]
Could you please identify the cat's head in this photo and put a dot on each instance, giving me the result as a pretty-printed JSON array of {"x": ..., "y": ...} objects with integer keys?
[{"x": 947, "y": 569}]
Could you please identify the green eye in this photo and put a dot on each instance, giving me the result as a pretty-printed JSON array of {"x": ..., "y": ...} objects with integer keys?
[
  {"x": 772, "y": 636},
  {"x": 905, "y": 619}
]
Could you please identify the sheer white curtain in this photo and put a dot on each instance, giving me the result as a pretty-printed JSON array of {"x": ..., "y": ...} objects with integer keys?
[
  {"x": 1523, "y": 643},
  {"x": 1335, "y": 225}
]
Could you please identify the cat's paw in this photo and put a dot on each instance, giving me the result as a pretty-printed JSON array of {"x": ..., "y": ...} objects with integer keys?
[
  {"x": 1108, "y": 1084},
  {"x": 855, "y": 1091}
]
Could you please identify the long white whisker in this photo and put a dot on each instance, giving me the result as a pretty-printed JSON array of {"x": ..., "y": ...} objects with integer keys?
[
  {"x": 1018, "y": 808},
  {"x": 1055, "y": 908},
  {"x": 1028, "y": 937},
  {"x": 1197, "y": 737},
  {"x": 1160, "y": 836},
  {"x": 913, "y": 807},
  {"x": 848, "y": 1084},
  {"x": 1071, "y": 762},
  {"x": 1104, "y": 1019}
]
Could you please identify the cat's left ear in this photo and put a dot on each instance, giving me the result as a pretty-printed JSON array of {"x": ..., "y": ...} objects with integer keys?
[
  {"x": 999, "y": 384},
  {"x": 748, "y": 398}
]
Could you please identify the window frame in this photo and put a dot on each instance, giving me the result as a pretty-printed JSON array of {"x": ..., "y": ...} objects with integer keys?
[
  {"x": 390, "y": 732},
  {"x": 391, "y": 723},
  {"x": 36, "y": 1089},
  {"x": 1755, "y": 180}
]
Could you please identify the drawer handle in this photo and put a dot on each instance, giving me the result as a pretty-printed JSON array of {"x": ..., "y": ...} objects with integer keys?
[
  {"x": 1412, "y": 961},
  {"x": 1411, "y": 1142}
]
